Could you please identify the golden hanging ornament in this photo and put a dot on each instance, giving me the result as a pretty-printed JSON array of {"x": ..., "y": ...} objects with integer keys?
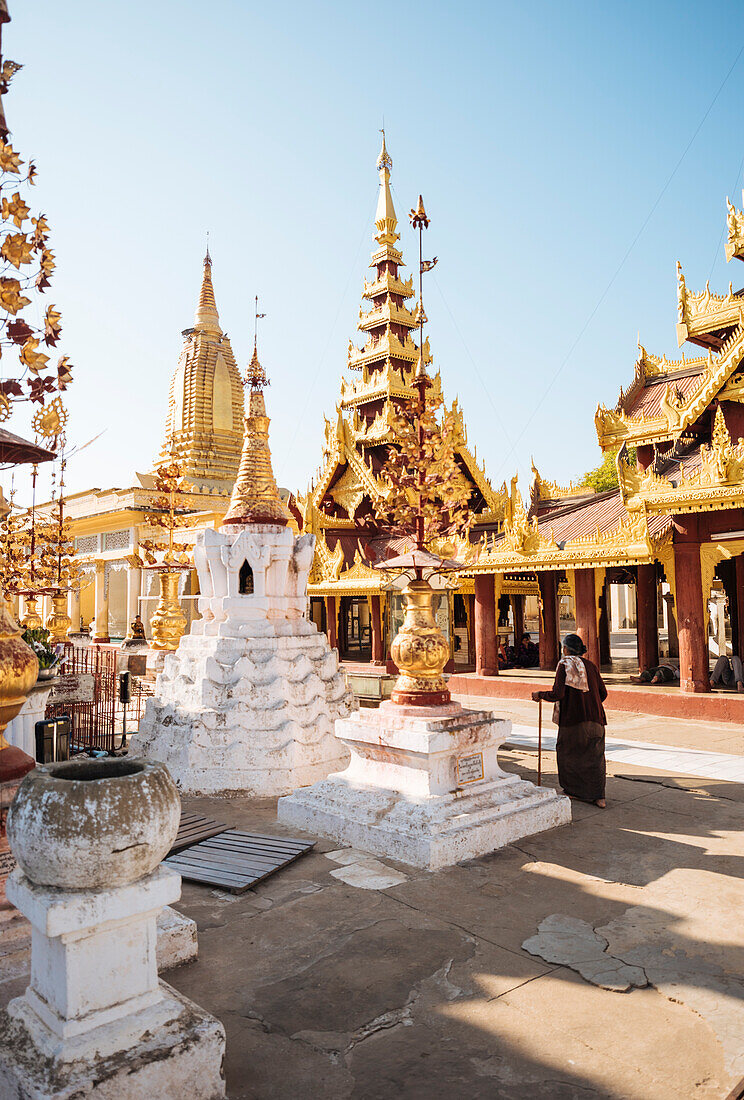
[
  {"x": 31, "y": 617},
  {"x": 59, "y": 623},
  {"x": 168, "y": 623}
]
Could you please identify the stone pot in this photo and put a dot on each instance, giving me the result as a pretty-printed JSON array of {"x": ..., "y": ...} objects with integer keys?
[{"x": 93, "y": 824}]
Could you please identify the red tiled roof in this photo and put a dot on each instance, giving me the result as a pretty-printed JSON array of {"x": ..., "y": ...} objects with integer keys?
[{"x": 648, "y": 400}]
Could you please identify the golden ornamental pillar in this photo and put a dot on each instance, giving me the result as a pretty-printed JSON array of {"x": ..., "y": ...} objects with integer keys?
[
  {"x": 58, "y": 624},
  {"x": 101, "y": 613}
]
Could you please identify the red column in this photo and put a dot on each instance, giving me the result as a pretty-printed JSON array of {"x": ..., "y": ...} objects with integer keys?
[
  {"x": 549, "y": 624},
  {"x": 739, "y": 574},
  {"x": 332, "y": 621},
  {"x": 605, "y": 642},
  {"x": 646, "y": 618},
  {"x": 586, "y": 613},
  {"x": 518, "y": 613},
  {"x": 471, "y": 630},
  {"x": 693, "y": 643},
  {"x": 376, "y": 623},
  {"x": 486, "y": 663}
]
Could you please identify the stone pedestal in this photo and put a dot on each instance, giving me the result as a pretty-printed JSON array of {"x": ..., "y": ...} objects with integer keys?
[
  {"x": 424, "y": 787},
  {"x": 249, "y": 709},
  {"x": 89, "y": 837},
  {"x": 22, "y": 730},
  {"x": 95, "y": 1016}
]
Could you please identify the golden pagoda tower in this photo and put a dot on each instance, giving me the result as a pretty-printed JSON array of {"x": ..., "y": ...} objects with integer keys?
[
  {"x": 255, "y": 497},
  {"x": 204, "y": 424}
]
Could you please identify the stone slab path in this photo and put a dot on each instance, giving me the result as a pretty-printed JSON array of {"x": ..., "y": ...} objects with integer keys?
[{"x": 644, "y": 754}]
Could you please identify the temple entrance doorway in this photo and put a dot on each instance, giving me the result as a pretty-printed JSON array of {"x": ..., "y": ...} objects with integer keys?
[{"x": 355, "y": 634}]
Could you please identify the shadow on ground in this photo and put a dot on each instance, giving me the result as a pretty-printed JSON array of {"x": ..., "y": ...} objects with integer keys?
[{"x": 424, "y": 990}]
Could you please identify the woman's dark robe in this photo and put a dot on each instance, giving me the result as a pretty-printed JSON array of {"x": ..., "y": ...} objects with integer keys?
[{"x": 581, "y": 733}]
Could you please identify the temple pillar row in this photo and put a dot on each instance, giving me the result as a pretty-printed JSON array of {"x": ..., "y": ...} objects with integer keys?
[
  {"x": 378, "y": 656},
  {"x": 550, "y": 644},
  {"x": 646, "y": 617},
  {"x": 693, "y": 642},
  {"x": 101, "y": 614},
  {"x": 586, "y": 613},
  {"x": 486, "y": 661},
  {"x": 134, "y": 591},
  {"x": 332, "y": 621},
  {"x": 517, "y": 603}
]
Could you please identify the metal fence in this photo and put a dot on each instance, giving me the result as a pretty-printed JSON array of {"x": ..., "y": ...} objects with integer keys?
[{"x": 92, "y": 725}]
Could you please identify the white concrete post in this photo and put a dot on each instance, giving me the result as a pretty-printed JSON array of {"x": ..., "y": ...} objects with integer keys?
[
  {"x": 134, "y": 591},
  {"x": 101, "y": 632}
]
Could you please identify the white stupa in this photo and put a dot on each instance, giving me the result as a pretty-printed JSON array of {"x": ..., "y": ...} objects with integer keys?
[{"x": 249, "y": 700}]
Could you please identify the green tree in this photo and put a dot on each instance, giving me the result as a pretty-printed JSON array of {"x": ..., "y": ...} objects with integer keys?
[{"x": 604, "y": 476}]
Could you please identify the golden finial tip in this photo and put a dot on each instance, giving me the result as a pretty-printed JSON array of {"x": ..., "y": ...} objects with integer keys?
[
  {"x": 418, "y": 216},
  {"x": 384, "y": 160}
]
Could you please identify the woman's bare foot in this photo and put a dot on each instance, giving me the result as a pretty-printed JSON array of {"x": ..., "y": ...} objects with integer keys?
[{"x": 601, "y": 803}]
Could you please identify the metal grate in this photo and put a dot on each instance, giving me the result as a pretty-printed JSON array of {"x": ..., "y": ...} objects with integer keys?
[
  {"x": 236, "y": 861},
  {"x": 92, "y": 724}
]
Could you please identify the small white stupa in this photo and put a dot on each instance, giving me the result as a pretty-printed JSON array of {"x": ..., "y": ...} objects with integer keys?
[{"x": 249, "y": 699}]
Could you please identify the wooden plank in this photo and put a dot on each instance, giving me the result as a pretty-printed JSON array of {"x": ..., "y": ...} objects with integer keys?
[
  {"x": 235, "y": 860},
  {"x": 232, "y": 836},
  {"x": 193, "y": 828}
]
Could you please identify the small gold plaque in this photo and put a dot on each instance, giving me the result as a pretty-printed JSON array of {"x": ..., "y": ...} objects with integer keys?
[{"x": 469, "y": 768}]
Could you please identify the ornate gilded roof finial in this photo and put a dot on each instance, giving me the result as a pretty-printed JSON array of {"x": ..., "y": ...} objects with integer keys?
[
  {"x": 207, "y": 319},
  {"x": 386, "y": 220},
  {"x": 384, "y": 160},
  {"x": 255, "y": 376},
  {"x": 420, "y": 221}
]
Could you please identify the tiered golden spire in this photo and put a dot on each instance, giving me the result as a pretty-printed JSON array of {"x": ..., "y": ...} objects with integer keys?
[
  {"x": 255, "y": 498},
  {"x": 386, "y": 221},
  {"x": 207, "y": 319}
]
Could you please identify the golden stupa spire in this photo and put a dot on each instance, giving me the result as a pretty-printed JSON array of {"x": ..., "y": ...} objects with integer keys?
[
  {"x": 207, "y": 319},
  {"x": 386, "y": 221},
  {"x": 255, "y": 497}
]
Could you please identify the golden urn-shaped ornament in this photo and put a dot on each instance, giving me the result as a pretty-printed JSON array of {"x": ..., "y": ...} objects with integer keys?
[
  {"x": 420, "y": 651},
  {"x": 31, "y": 616},
  {"x": 59, "y": 623},
  {"x": 169, "y": 621},
  {"x": 19, "y": 669}
]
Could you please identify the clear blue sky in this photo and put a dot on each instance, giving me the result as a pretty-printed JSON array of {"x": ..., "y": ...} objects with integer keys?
[{"x": 541, "y": 136}]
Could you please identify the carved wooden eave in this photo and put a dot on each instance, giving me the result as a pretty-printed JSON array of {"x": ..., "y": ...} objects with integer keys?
[
  {"x": 329, "y": 579},
  {"x": 386, "y": 382},
  {"x": 734, "y": 232},
  {"x": 628, "y": 544},
  {"x": 701, "y": 314},
  {"x": 614, "y": 427},
  {"x": 718, "y": 484}
]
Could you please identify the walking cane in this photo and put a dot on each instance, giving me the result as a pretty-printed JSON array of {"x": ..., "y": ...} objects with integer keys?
[{"x": 539, "y": 742}]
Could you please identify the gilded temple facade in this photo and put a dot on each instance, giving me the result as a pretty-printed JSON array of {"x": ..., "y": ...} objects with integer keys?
[
  {"x": 677, "y": 515},
  {"x": 204, "y": 428},
  {"x": 354, "y": 602}
]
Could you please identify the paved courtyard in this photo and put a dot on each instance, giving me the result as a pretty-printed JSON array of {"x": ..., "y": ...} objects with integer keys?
[
  {"x": 348, "y": 977},
  {"x": 345, "y": 976}
]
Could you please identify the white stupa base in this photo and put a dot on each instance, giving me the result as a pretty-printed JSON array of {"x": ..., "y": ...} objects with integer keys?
[
  {"x": 424, "y": 787},
  {"x": 248, "y": 708},
  {"x": 95, "y": 1018}
]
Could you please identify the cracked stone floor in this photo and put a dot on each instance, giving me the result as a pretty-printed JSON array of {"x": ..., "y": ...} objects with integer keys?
[{"x": 601, "y": 959}]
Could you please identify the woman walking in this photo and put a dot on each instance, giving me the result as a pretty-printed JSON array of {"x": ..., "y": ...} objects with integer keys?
[{"x": 578, "y": 692}]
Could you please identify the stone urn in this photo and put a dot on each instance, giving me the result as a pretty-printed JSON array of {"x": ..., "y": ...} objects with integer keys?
[{"x": 93, "y": 824}]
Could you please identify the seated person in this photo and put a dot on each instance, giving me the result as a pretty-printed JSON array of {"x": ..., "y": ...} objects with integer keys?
[
  {"x": 662, "y": 674},
  {"x": 728, "y": 672},
  {"x": 528, "y": 654},
  {"x": 502, "y": 656}
]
